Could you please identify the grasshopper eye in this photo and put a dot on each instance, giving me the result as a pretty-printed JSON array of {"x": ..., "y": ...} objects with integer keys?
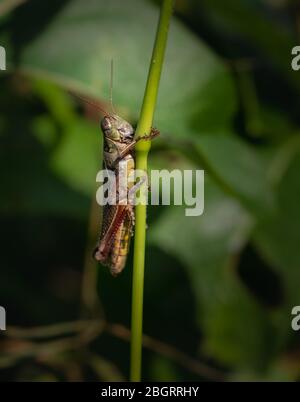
[
  {"x": 106, "y": 124},
  {"x": 126, "y": 131}
]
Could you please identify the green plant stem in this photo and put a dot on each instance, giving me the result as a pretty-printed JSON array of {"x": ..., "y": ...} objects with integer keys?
[{"x": 142, "y": 149}]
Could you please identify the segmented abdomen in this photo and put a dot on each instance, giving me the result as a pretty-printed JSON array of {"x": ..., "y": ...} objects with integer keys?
[{"x": 120, "y": 247}]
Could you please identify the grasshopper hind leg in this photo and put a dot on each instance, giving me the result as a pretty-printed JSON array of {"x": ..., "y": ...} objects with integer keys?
[{"x": 120, "y": 247}]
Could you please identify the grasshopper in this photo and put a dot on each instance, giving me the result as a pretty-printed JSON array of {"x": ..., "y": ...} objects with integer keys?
[{"x": 118, "y": 220}]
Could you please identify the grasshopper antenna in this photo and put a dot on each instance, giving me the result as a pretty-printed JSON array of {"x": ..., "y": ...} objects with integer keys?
[
  {"x": 91, "y": 103},
  {"x": 111, "y": 86}
]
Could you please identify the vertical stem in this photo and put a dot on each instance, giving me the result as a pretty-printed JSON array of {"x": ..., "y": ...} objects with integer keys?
[
  {"x": 138, "y": 283},
  {"x": 142, "y": 149}
]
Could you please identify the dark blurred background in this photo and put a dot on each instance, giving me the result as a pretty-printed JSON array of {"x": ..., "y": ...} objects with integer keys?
[{"x": 219, "y": 288}]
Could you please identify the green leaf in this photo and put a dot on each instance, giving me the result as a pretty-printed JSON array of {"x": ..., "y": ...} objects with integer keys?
[
  {"x": 76, "y": 49},
  {"x": 77, "y": 159},
  {"x": 278, "y": 238},
  {"x": 248, "y": 20},
  {"x": 207, "y": 246},
  {"x": 59, "y": 104},
  {"x": 77, "y": 155},
  {"x": 239, "y": 169}
]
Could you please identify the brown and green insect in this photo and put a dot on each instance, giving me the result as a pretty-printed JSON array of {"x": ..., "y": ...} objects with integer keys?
[{"x": 118, "y": 219}]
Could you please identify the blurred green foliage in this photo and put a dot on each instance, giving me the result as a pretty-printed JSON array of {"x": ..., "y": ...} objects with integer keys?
[{"x": 220, "y": 286}]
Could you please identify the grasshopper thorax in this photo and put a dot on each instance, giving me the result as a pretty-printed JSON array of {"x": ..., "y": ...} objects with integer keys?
[{"x": 116, "y": 129}]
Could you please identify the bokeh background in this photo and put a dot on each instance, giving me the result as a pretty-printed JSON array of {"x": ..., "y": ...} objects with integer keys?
[{"x": 219, "y": 288}]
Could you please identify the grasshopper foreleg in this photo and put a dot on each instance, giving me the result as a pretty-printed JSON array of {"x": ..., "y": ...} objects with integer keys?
[
  {"x": 148, "y": 137},
  {"x": 153, "y": 134}
]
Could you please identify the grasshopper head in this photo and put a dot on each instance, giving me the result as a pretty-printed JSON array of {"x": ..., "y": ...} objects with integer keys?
[{"x": 116, "y": 129}]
